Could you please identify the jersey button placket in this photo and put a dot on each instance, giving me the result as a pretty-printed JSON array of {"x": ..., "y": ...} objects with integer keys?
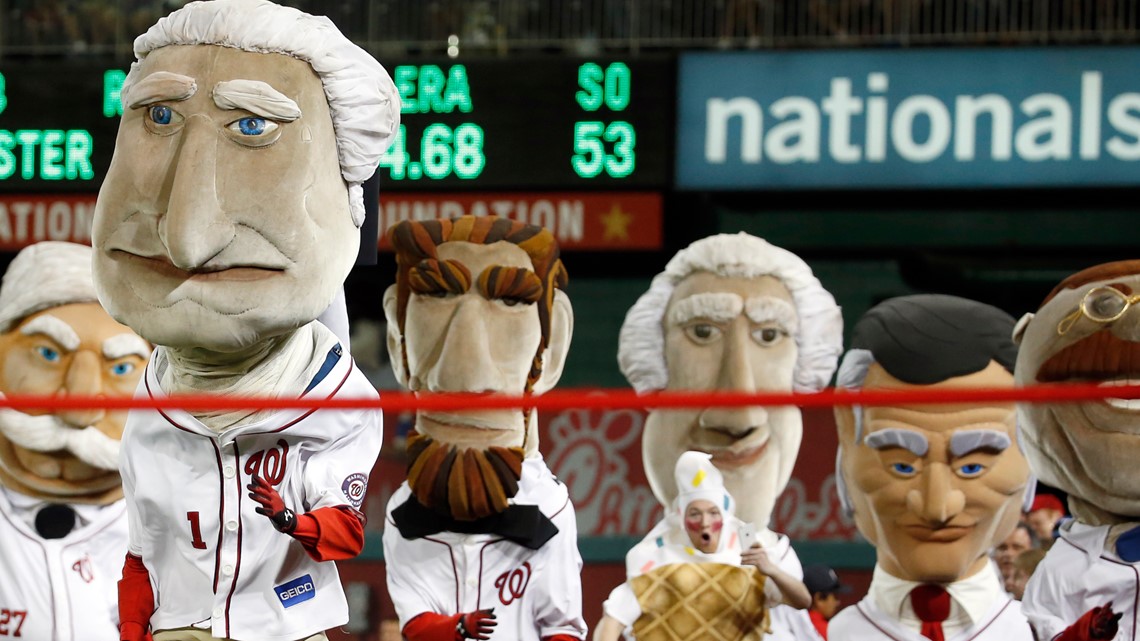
[{"x": 230, "y": 526}]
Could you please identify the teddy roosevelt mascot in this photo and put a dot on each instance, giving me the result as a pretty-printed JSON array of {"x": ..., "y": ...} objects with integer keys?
[
  {"x": 932, "y": 487},
  {"x": 699, "y": 574},
  {"x": 1087, "y": 330},
  {"x": 480, "y": 541},
  {"x": 227, "y": 222},
  {"x": 733, "y": 313},
  {"x": 63, "y": 523}
]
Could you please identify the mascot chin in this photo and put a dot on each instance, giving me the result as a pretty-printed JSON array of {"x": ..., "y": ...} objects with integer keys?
[
  {"x": 63, "y": 521},
  {"x": 228, "y": 221},
  {"x": 478, "y": 308}
]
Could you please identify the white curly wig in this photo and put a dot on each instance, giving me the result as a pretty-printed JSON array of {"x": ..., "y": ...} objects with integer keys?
[
  {"x": 819, "y": 335},
  {"x": 362, "y": 97}
]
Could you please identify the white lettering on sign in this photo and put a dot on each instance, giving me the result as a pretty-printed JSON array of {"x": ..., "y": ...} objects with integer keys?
[
  {"x": 923, "y": 128},
  {"x": 565, "y": 218}
]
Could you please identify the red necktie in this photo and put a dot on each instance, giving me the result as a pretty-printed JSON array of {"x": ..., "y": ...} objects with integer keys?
[{"x": 932, "y": 605}]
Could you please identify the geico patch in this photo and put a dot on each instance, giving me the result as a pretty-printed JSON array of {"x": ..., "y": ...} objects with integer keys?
[{"x": 296, "y": 591}]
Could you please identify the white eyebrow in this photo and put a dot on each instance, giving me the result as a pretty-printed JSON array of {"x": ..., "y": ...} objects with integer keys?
[
  {"x": 766, "y": 309},
  {"x": 125, "y": 344},
  {"x": 965, "y": 441},
  {"x": 715, "y": 306},
  {"x": 53, "y": 328},
  {"x": 909, "y": 440},
  {"x": 256, "y": 97},
  {"x": 160, "y": 86}
]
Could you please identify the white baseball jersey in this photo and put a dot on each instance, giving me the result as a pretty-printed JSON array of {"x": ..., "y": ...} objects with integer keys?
[
  {"x": 535, "y": 593},
  {"x": 1079, "y": 573},
  {"x": 61, "y": 589},
  {"x": 865, "y": 622},
  {"x": 788, "y": 623},
  {"x": 213, "y": 561}
]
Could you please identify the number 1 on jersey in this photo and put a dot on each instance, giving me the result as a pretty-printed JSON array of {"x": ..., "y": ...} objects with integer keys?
[{"x": 195, "y": 531}]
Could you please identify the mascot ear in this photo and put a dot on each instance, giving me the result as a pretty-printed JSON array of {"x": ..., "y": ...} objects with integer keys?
[
  {"x": 561, "y": 331},
  {"x": 395, "y": 350},
  {"x": 1020, "y": 327}
]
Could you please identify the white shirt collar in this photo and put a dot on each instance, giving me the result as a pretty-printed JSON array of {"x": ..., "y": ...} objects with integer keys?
[
  {"x": 972, "y": 598},
  {"x": 26, "y": 507}
]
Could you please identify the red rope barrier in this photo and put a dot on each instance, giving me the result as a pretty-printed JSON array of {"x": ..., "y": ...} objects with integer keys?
[{"x": 589, "y": 399}]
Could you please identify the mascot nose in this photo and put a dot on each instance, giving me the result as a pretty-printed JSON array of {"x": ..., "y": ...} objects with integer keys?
[{"x": 84, "y": 378}]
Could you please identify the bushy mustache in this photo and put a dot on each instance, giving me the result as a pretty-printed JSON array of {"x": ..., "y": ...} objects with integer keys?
[{"x": 47, "y": 433}]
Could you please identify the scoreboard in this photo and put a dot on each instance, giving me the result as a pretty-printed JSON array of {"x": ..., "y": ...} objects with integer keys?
[
  {"x": 533, "y": 124},
  {"x": 494, "y": 124}
]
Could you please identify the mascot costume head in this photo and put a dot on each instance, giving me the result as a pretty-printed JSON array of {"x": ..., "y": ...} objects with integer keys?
[
  {"x": 1087, "y": 330},
  {"x": 55, "y": 339},
  {"x": 230, "y": 213},
  {"x": 477, "y": 308},
  {"x": 731, "y": 313},
  {"x": 933, "y": 487}
]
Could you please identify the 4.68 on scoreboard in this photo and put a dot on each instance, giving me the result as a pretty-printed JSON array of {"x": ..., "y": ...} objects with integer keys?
[{"x": 532, "y": 124}]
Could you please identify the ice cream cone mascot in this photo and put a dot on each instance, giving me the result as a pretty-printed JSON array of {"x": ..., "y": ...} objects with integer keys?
[
  {"x": 228, "y": 220},
  {"x": 480, "y": 541},
  {"x": 696, "y": 575},
  {"x": 63, "y": 523},
  {"x": 1086, "y": 330},
  {"x": 932, "y": 487},
  {"x": 733, "y": 313}
]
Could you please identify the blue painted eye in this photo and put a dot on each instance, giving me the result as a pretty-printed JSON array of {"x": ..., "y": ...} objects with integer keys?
[
  {"x": 161, "y": 115},
  {"x": 48, "y": 354},
  {"x": 251, "y": 126},
  {"x": 971, "y": 469},
  {"x": 903, "y": 468},
  {"x": 122, "y": 369}
]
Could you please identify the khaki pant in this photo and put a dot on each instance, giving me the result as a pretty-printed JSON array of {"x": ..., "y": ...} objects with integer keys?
[{"x": 196, "y": 634}]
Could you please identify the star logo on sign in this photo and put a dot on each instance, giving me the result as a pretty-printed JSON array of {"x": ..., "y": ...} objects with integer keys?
[{"x": 616, "y": 223}]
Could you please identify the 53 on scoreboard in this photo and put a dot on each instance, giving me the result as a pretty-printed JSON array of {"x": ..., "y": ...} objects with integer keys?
[{"x": 532, "y": 124}]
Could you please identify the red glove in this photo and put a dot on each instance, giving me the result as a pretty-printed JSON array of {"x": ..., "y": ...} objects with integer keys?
[
  {"x": 1098, "y": 624},
  {"x": 476, "y": 625},
  {"x": 272, "y": 505},
  {"x": 136, "y": 601}
]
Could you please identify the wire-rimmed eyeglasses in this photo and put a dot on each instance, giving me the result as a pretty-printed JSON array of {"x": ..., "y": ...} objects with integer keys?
[{"x": 1100, "y": 305}]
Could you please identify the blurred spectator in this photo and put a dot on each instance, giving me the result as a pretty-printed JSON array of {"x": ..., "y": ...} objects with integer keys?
[
  {"x": 1024, "y": 567},
  {"x": 1046, "y": 512},
  {"x": 1007, "y": 552},
  {"x": 825, "y": 589}
]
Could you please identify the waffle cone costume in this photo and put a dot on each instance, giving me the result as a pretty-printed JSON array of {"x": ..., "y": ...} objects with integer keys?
[{"x": 701, "y": 602}]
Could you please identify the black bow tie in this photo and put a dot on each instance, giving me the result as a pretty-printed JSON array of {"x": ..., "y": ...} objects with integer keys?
[
  {"x": 525, "y": 525},
  {"x": 55, "y": 521}
]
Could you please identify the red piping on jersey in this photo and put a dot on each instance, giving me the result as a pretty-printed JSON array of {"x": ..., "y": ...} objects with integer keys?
[
  {"x": 332, "y": 394},
  {"x": 221, "y": 513},
  {"x": 454, "y": 567},
  {"x": 551, "y": 517},
  {"x": 237, "y": 561},
  {"x": 479, "y": 593},
  {"x": 347, "y": 374},
  {"x": 1135, "y": 589}
]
